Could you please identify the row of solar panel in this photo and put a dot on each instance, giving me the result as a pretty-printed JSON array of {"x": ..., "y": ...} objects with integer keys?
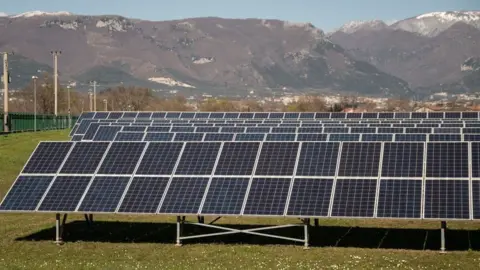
[
  {"x": 251, "y": 178},
  {"x": 113, "y": 133},
  {"x": 280, "y": 115}
]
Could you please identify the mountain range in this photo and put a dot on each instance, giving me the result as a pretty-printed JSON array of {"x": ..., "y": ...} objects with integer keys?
[{"x": 424, "y": 54}]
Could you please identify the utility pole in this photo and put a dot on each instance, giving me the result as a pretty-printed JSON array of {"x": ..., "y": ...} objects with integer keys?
[
  {"x": 34, "y": 78},
  {"x": 6, "y": 81},
  {"x": 94, "y": 84},
  {"x": 69, "y": 111},
  {"x": 90, "y": 96},
  {"x": 55, "y": 77},
  {"x": 105, "y": 102}
]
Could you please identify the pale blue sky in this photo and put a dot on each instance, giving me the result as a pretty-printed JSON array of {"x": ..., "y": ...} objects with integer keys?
[{"x": 324, "y": 14}]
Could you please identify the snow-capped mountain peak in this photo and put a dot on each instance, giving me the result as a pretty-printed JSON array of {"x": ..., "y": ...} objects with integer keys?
[
  {"x": 354, "y": 26},
  {"x": 452, "y": 15},
  {"x": 30, "y": 14}
]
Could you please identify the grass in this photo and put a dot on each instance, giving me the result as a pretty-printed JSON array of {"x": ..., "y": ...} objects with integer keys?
[{"x": 132, "y": 242}]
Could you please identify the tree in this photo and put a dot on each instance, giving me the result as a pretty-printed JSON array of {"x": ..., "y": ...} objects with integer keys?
[{"x": 307, "y": 104}]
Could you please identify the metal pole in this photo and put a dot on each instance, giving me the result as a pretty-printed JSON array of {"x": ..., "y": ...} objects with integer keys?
[
  {"x": 5, "y": 91},
  {"x": 90, "y": 96},
  {"x": 34, "y": 102},
  {"x": 58, "y": 235},
  {"x": 94, "y": 95},
  {"x": 442, "y": 236},
  {"x": 105, "y": 102},
  {"x": 69, "y": 111},
  {"x": 55, "y": 78}
]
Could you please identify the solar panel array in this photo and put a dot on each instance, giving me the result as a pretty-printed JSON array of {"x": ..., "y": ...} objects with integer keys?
[{"x": 434, "y": 180}]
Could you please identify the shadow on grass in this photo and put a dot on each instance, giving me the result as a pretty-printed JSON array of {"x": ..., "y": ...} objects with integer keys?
[{"x": 323, "y": 236}]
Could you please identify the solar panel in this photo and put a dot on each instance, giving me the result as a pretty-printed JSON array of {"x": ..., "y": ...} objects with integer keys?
[
  {"x": 447, "y": 130},
  {"x": 173, "y": 115},
  {"x": 446, "y": 199},
  {"x": 250, "y": 137},
  {"x": 281, "y": 137},
  {"x": 158, "y": 137},
  {"x": 354, "y": 115},
  {"x": 370, "y": 115},
  {"x": 258, "y": 130},
  {"x": 237, "y": 158},
  {"x": 310, "y": 130},
  {"x": 310, "y": 197},
  {"x": 202, "y": 115},
  {"x": 144, "y": 195},
  {"x": 144, "y": 115},
  {"x": 386, "y": 115},
  {"x": 134, "y": 129},
  {"x": 230, "y": 115},
  {"x": 47, "y": 157},
  {"x": 65, "y": 193},
  {"x": 418, "y": 130},
  {"x": 377, "y": 137},
  {"x": 84, "y": 158},
  {"x": 470, "y": 115},
  {"x": 293, "y": 115},
  {"x": 216, "y": 115},
  {"x": 217, "y": 137},
  {"x": 129, "y": 136},
  {"x": 232, "y": 129},
  {"x": 121, "y": 158},
  {"x": 225, "y": 196},
  {"x": 115, "y": 115},
  {"x": 159, "y": 159},
  {"x": 337, "y": 115},
  {"x": 198, "y": 158},
  {"x": 359, "y": 159},
  {"x": 453, "y": 115},
  {"x": 410, "y": 137},
  {"x": 83, "y": 127},
  {"x": 187, "y": 115},
  {"x": 277, "y": 158},
  {"x": 318, "y": 159},
  {"x": 344, "y": 137},
  {"x": 26, "y": 193},
  {"x": 354, "y": 198},
  {"x": 130, "y": 115},
  {"x": 276, "y": 115},
  {"x": 188, "y": 137},
  {"x": 267, "y": 196},
  {"x": 319, "y": 115},
  {"x": 435, "y": 115},
  {"x": 447, "y": 160},
  {"x": 405, "y": 115},
  {"x": 363, "y": 130},
  {"x": 335, "y": 130},
  {"x": 104, "y": 194},
  {"x": 261, "y": 115},
  {"x": 77, "y": 138},
  {"x": 158, "y": 129},
  {"x": 471, "y": 137},
  {"x": 402, "y": 160},
  {"x": 207, "y": 129},
  {"x": 101, "y": 115},
  {"x": 74, "y": 130},
  {"x": 314, "y": 137},
  {"x": 399, "y": 198},
  {"x": 184, "y": 195},
  {"x": 106, "y": 133},
  {"x": 445, "y": 138}
]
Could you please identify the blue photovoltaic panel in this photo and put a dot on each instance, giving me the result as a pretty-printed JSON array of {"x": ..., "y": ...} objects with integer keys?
[
  {"x": 84, "y": 158},
  {"x": 121, "y": 158},
  {"x": 106, "y": 133},
  {"x": 77, "y": 138},
  {"x": 470, "y": 115},
  {"x": 173, "y": 115},
  {"x": 475, "y": 199},
  {"x": 182, "y": 129},
  {"x": 200, "y": 115},
  {"x": 377, "y": 137},
  {"x": 418, "y": 130},
  {"x": 446, "y": 199},
  {"x": 404, "y": 125},
  {"x": 115, "y": 115},
  {"x": 451, "y": 126},
  {"x": 354, "y": 115},
  {"x": 284, "y": 130},
  {"x": 337, "y": 115},
  {"x": 65, "y": 193},
  {"x": 86, "y": 115},
  {"x": 230, "y": 115},
  {"x": 354, "y": 198},
  {"x": 104, "y": 194},
  {"x": 158, "y": 137},
  {"x": 400, "y": 198},
  {"x": 156, "y": 115},
  {"x": 436, "y": 115},
  {"x": 232, "y": 129},
  {"x": 187, "y": 115},
  {"x": 261, "y": 115},
  {"x": 267, "y": 196},
  {"x": 318, "y": 159},
  {"x": 198, "y": 158},
  {"x": 26, "y": 193},
  {"x": 276, "y": 115},
  {"x": 74, "y": 130},
  {"x": 48, "y": 157},
  {"x": 471, "y": 130},
  {"x": 158, "y": 129},
  {"x": 359, "y": 159},
  {"x": 226, "y": 125},
  {"x": 336, "y": 130},
  {"x": 249, "y": 137},
  {"x": 447, "y": 130},
  {"x": 129, "y": 136},
  {"x": 130, "y": 115},
  {"x": 310, "y": 130},
  {"x": 258, "y": 130},
  {"x": 216, "y": 115},
  {"x": 159, "y": 159},
  {"x": 225, "y": 196},
  {"x": 207, "y": 129},
  {"x": 476, "y": 159},
  {"x": 134, "y": 129},
  {"x": 277, "y": 158},
  {"x": 184, "y": 195},
  {"x": 402, "y": 160},
  {"x": 281, "y": 137},
  {"x": 370, "y": 115},
  {"x": 188, "y": 137},
  {"x": 293, "y": 115},
  {"x": 404, "y": 115},
  {"x": 144, "y": 115},
  {"x": 246, "y": 115},
  {"x": 101, "y": 115},
  {"x": 310, "y": 197},
  {"x": 218, "y": 137},
  {"x": 237, "y": 158},
  {"x": 319, "y": 115},
  {"x": 427, "y": 125},
  {"x": 453, "y": 115},
  {"x": 344, "y": 137},
  {"x": 471, "y": 137},
  {"x": 363, "y": 130},
  {"x": 445, "y": 138},
  {"x": 314, "y": 137},
  {"x": 447, "y": 160},
  {"x": 385, "y": 115},
  {"x": 83, "y": 127},
  {"x": 410, "y": 137},
  {"x": 144, "y": 195}
]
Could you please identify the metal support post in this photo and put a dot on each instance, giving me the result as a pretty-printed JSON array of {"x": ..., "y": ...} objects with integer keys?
[
  {"x": 179, "y": 231},
  {"x": 55, "y": 78},
  {"x": 316, "y": 222},
  {"x": 34, "y": 78},
  {"x": 69, "y": 109},
  {"x": 5, "y": 91},
  {"x": 306, "y": 224},
  {"x": 201, "y": 219},
  {"x": 442, "y": 236},
  {"x": 59, "y": 229},
  {"x": 90, "y": 217}
]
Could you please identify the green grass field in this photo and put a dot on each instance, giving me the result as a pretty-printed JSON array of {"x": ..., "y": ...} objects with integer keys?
[{"x": 133, "y": 242}]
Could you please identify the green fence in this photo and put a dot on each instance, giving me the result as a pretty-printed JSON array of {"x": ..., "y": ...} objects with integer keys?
[{"x": 19, "y": 122}]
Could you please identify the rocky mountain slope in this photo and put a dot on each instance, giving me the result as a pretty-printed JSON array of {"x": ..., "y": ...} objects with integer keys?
[{"x": 203, "y": 53}]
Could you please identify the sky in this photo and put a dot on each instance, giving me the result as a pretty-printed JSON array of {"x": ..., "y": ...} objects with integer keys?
[{"x": 324, "y": 14}]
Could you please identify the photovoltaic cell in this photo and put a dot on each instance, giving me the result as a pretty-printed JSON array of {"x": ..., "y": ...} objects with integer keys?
[
  {"x": 447, "y": 160},
  {"x": 104, "y": 194},
  {"x": 134, "y": 129},
  {"x": 101, "y": 115},
  {"x": 232, "y": 129},
  {"x": 83, "y": 127},
  {"x": 354, "y": 198},
  {"x": 216, "y": 137},
  {"x": 447, "y": 130},
  {"x": 400, "y": 198},
  {"x": 385, "y": 115},
  {"x": 314, "y": 137},
  {"x": 173, "y": 115},
  {"x": 359, "y": 159},
  {"x": 281, "y": 137},
  {"x": 377, "y": 137},
  {"x": 267, "y": 196},
  {"x": 277, "y": 158},
  {"x": 475, "y": 199},
  {"x": 452, "y": 115},
  {"x": 115, "y": 115},
  {"x": 318, "y": 159},
  {"x": 225, "y": 196},
  {"x": 65, "y": 193},
  {"x": 144, "y": 195},
  {"x": 202, "y": 115},
  {"x": 159, "y": 159},
  {"x": 129, "y": 136},
  {"x": 188, "y": 137},
  {"x": 445, "y": 138},
  {"x": 207, "y": 129},
  {"x": 403, "y": 160},
  {"x": 310, "y": 197},
  {"x": 246, "y": 115},
  {"x": 335, "y": 130},
  {"x": 84, "y": 158},
  {"x": 410, "y": 137},
  {"x": 250, "y": 137},
  {"x": 106, "y": 133},
  {"x": 470, "y": 115},
  {"x": 74, "y": 130},
  {"x": 198, "y": 158},
  {"x": 404, "y": 115},
  {"x": 129, "y": 115},
  {"x": 184, "y": 195},
  {"x": 26, "y": 193},
  {"x": 121, "y": 158},
  {"x": 446, "y": 199},
  {"x": 48, "y": 157},
  {"x": 475, "y": 159},
  {"x": 237, "y": 158},
  {"x": 258, "y": 130},
  {"x": 77, "y": 138},
  {"x": 158, "y": 137},
  {"x": 344, "y": 137}
]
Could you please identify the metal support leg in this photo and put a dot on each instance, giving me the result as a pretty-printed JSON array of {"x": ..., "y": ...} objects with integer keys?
[
  {"x": 316, "y": 222},
  {"x": 58, "y": 230},
  {"x": 201, "y": 219},
  {"x": 90, "y": 217},
  {"x": 179, "y": 231},
  {"x": 442, "y": 236},
  {"x": 306, "y": 224}
]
